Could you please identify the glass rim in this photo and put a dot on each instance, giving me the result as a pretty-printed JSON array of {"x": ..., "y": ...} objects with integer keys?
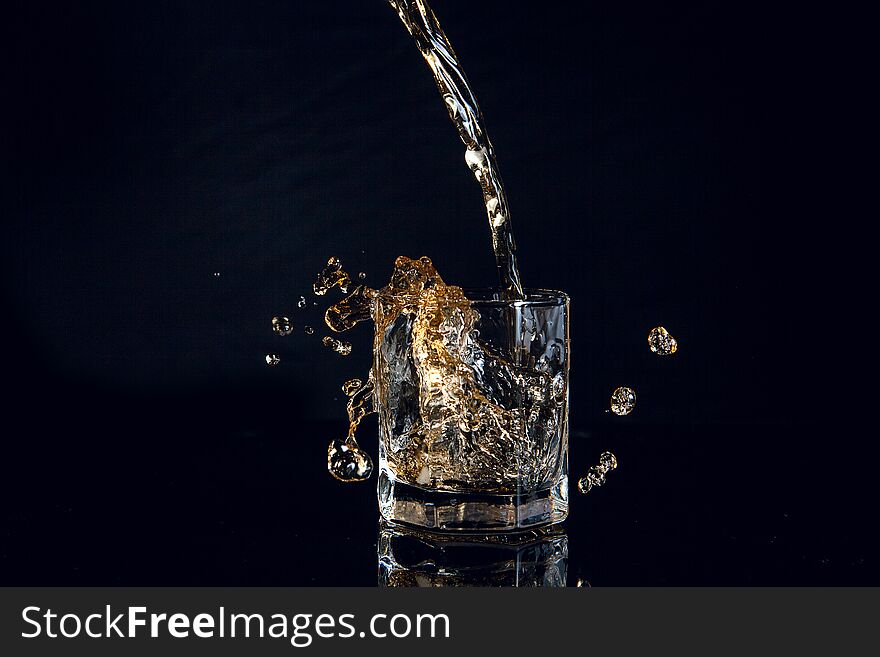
[
  {"x": 535, "y": 296},
  {"x": 491, "y": 297}
]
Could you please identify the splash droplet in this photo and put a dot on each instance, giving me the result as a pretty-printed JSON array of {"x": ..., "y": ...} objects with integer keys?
[
  {"x": 282, "y": 326},
  {"x": 623, "y": 401},
  {"x": 339, "y": 346},
  {"x": 596, "y": 474},
  {"x": 348, "y": 462},
  {"x": 301, "y": 303},
  {"x": 349, "y": 311},
  {"x": 331, "y": 276},
  {"x": 272, "y": 360},
  {"x": 351, "y": 386},
  {"x": 308, "y": 330},
  {"x": 608, "y": 461},
  {"x": 661, "y": 342},
  {"x": 362, "y": 275}
]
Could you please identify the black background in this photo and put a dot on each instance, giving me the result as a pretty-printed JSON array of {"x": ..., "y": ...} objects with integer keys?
[{"x": 155, "y": 146}]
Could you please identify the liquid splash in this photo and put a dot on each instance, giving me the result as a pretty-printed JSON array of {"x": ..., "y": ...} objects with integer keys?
[
  {"x": 460, "y": 416},
  {"x": 332, "y": 275},
  {"x": 464, "y": 111},
  {"x": 272, "y": 360},
  {"x": 346, "y": 461},
  {"x": 596, "y": 474}
]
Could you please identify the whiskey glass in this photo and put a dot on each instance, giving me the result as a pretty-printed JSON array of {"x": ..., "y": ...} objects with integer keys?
[{"x": 490, "y": 453}]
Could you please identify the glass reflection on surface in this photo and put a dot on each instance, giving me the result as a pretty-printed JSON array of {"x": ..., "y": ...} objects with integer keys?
[{"x": 414, "y": 558}]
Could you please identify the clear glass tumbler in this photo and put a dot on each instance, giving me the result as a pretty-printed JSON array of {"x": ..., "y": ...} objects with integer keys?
[{"x": 479, "y": 442}]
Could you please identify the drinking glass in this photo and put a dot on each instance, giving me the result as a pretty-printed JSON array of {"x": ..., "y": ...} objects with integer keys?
[{"x": 497, "y": 461}]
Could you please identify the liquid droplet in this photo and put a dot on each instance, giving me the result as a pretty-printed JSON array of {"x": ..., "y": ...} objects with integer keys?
[
  {"x": 282, "y": 326},
  {"x": 596, "y": 474},
  {"x": 348, "y": 462},
  {"x": 661, "y": 342},
  {"x": 331, "y": 276},
  {"x": 272, "y": 360},
  {"x": 339, "y": 346},
  {"x": 351, "y": 386},
  {"x": 301, "y": 303},
  {"x": 216, "y": 274},
  {"x": 623, "y": 401},
  {"x": 608, "y": 461},
  {"x": 362, "y": 275},
  {"x": 308, "y": 330}
]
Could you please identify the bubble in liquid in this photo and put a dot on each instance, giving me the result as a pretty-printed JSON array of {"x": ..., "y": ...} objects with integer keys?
[
  {"x": 661, "y": 342},
  {"x": 348, "y": 462},
  {"x": 282, "y": 326},
  {"x": 623, "y": 401},
  {"x": 302, "y": 302},
  {"x": 309, "y": 330},
  {"x": 339, "y": 346},
  {"x": 557, "y": 387},
  {"x": 331, "y": 276},
  {"x": 272, "y": 360},
  {"x": 351, "y": 386}
]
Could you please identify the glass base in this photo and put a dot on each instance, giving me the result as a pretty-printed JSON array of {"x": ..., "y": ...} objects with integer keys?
[{"x": 470, "y": 512}]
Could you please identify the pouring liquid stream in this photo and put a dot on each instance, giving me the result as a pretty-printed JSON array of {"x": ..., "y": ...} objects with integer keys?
[{"x": 464, "y": 111}]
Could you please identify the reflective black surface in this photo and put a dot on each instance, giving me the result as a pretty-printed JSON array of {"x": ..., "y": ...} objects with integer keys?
[{"x": 176, "y": 499}]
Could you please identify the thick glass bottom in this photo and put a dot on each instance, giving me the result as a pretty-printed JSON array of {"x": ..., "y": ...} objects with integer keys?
[{"x": 470, "y": 512}]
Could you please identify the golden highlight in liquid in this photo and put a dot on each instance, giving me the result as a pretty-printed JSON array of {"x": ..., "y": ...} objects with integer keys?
[{"x": 428, "y": 353}]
